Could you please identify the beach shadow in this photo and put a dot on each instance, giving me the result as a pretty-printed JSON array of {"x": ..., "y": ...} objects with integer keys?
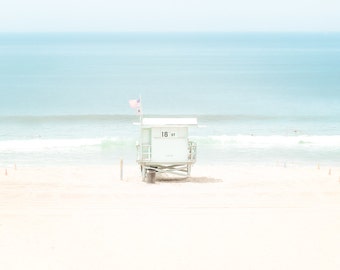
[{"x": 200, "y": 180}]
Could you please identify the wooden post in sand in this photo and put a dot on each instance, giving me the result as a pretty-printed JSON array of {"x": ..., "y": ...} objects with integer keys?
[
  {"x": 318, "y": 166},
  {"x": 6, "y": 173},
  {"x": 121, "y": 169},
  {"x": 330, "y": 172}
]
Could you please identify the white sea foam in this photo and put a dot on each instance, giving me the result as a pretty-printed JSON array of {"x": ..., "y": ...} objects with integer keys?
[
  {"x": 224, "y": 141},
  {"x": 249, "y": 141},
  {"x": 39, "y": 145}
]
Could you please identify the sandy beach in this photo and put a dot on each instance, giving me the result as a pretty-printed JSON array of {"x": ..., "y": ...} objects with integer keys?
[{"x": 223, "y": 217}]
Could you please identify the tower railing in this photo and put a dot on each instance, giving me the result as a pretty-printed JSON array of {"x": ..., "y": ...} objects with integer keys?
[{"x": 192, "y": 151}]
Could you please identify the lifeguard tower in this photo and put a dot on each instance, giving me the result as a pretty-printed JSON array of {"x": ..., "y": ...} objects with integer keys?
[{"x": 164, "y": 146}]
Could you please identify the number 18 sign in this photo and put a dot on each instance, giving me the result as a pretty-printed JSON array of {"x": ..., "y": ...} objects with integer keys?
[{"x": 168, "y": 134}]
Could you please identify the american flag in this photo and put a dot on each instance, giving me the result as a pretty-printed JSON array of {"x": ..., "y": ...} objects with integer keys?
[{"x": 134, "y": 103}]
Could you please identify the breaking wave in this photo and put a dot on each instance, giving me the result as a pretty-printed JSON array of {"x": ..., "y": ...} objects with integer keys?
[
  {"x": 273, "y": 141},
  {"x": 40, "y": 145},
  {"x": 223, "y": 141}
]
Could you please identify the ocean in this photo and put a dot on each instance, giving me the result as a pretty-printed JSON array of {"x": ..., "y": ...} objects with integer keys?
[{"x": 259, "y": 97}]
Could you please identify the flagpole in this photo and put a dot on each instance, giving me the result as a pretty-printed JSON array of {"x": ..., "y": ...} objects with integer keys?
[{"x": 140, "y": 110}]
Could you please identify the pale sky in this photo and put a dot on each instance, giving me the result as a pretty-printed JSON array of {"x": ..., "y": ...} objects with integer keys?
[{"x": 175, "y": 15}]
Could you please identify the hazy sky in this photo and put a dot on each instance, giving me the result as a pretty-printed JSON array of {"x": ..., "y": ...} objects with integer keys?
[{"x": 175, "y": 15}]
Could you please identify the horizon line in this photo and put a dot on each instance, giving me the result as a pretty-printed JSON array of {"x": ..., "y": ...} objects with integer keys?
[{"x": 175, "y": 32}]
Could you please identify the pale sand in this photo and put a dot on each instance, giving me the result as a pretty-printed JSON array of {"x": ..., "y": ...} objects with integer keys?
[{"x": 224, "y": 217}]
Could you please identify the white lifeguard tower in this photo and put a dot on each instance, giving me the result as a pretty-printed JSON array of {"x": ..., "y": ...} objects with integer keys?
[{"x": 164, "y": 146}]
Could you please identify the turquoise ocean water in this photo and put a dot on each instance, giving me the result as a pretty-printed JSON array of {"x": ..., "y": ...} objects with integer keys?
[{"x": 259, "y": 97}]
